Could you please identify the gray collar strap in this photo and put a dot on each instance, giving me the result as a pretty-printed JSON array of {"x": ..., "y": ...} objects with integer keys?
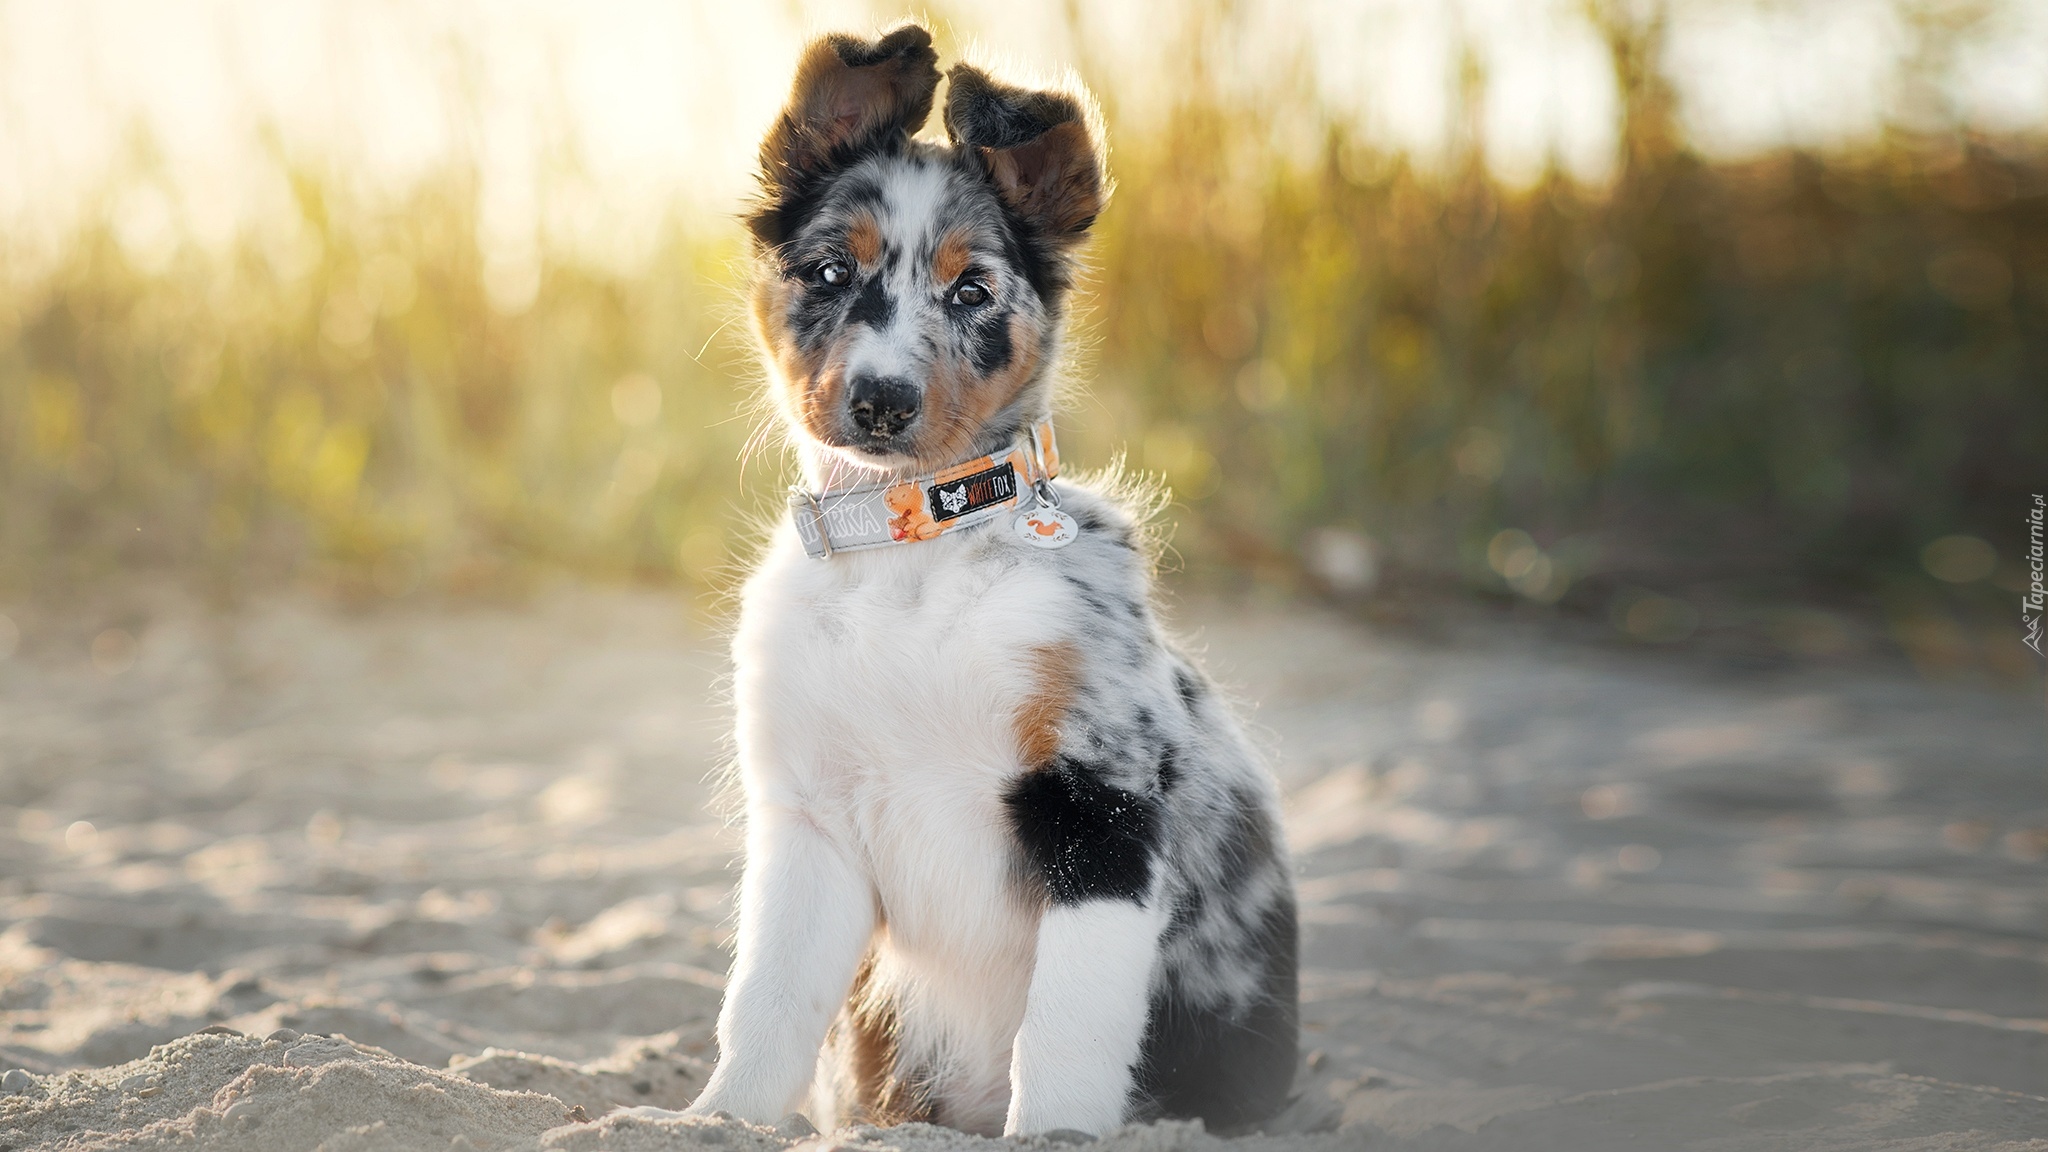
[{"x": 928, "y": 506}]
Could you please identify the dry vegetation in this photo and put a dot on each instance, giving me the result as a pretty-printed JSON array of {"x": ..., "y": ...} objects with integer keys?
[{"x": 1773, "y": 380}]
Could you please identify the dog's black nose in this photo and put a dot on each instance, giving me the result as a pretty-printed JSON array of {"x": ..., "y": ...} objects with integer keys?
[{"x": 882, "y": 406}]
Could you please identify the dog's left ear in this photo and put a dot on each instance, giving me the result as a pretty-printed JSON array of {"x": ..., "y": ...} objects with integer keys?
[{"x": 1041, "y": 149}]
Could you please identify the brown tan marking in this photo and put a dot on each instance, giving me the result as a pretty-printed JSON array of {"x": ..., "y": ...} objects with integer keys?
[
  {"x": 864, "y": 239},
  {"x": 881, "y": 1095},
  {"x": 809, "y": 387},
  {"x": 1056, "y": 678},
  {"x": 770, "y": 312},
  {"x": 952, "y": 258},
  {"x": 959, "y": 403},
  {"x": 822, "y": 397},
  {"x": 770, "y": 301}
]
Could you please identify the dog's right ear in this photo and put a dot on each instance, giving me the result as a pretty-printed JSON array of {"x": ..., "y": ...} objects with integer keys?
[{"x": 851, "y": 97}]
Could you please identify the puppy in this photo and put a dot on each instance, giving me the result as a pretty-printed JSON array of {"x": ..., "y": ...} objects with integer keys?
[{"x": 1011, "y": 864}]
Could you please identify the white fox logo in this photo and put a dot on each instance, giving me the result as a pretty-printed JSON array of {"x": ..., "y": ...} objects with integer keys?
[{"x": 954, "y": 501}]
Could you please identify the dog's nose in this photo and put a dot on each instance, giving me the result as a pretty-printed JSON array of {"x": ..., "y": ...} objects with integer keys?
[{"x": 882, "y": 406}]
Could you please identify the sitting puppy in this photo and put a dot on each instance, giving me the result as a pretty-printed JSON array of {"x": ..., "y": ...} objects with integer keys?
[{"x": 1011, "y": 864}]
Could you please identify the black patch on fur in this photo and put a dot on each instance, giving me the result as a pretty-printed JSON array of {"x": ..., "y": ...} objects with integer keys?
[
  {"x": 774, "y": 223},
  {"x": 910, "y": 41},
  {"x": 858, "y": 192},
  {"x": 1230, "y": 1069},
  {"x": 1169, "y": 768},
  {"x": 815, "y": 315},
  {"x": 1044, "y": 267},
  {"x": 1083, "y": 838},
  {"x": 1188, "y": 685},
  {"x": 990, "y": 344},
  {"x": 991, "y": 117},
  {"x": 872, "y": 307}
]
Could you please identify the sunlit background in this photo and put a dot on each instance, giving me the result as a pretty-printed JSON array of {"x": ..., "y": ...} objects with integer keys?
[{"x": 1710, "y": 321}]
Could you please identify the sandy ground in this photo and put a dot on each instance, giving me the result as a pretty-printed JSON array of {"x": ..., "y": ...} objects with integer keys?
[{"x": 406, "y": 879}]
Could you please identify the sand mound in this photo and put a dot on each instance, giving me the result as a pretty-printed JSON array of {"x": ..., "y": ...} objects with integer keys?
[
  {"x": 649, "y": 1074},
  {"x": 288, "y": 1092},
  {"x": 293, "y": 1092}
]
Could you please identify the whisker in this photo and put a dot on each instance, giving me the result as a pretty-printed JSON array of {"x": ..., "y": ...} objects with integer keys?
[{"x": 698, "y": 356}]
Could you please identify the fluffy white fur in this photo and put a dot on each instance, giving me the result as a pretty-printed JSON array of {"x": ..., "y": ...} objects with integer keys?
[{"x": 876, "y": 694}]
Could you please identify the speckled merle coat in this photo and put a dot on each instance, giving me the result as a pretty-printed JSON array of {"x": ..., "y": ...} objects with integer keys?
[{"x": 1011, "y": 863}]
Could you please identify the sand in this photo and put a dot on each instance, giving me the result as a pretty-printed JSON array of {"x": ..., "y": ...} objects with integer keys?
[{"x": 315, "y": 877}]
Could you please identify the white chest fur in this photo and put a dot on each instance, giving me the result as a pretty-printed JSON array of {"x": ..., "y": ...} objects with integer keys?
[
  {"x": 880, "y": 688},
  {"x": 877, "y": 694}
]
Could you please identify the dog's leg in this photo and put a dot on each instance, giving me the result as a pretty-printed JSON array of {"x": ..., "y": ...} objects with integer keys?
[
  {"x": 806, "y": 913},
  {"x": 1084, "y": 1019}
]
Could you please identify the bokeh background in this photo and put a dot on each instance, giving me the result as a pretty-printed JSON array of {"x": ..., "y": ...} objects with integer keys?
[{"x": 1717, "y": 322}]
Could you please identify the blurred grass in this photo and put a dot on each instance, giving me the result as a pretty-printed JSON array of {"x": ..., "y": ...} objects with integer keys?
[
  {"x": 1779, "y": 378},
  {"x": 349, "y": 401},
  {"x": 1787, "y": 373}
]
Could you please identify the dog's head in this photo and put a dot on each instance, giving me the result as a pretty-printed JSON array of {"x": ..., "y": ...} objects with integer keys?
[{"x": 910, "y": 294}]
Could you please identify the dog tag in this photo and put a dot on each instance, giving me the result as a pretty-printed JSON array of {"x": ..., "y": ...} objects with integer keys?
[{"x": 1046, "y": 527}]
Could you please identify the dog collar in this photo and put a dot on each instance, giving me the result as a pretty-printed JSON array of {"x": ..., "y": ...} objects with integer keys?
[{"x": 929, "y": 506}]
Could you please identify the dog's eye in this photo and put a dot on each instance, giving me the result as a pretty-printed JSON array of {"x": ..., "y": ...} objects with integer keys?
[
  {"x": 972, "y": 294},
  {"x": 834, "y": 274}
]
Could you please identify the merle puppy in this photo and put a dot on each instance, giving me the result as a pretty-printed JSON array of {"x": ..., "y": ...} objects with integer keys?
[{"x": 1011, "y": 863}]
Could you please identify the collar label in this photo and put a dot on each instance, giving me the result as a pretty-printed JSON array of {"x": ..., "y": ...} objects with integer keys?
[{"x": 956, "y": 498}]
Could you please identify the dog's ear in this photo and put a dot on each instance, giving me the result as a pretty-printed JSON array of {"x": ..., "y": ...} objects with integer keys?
[
  {"x": 1041, "y": 149},
  {"x": 851, "y": 97}
]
